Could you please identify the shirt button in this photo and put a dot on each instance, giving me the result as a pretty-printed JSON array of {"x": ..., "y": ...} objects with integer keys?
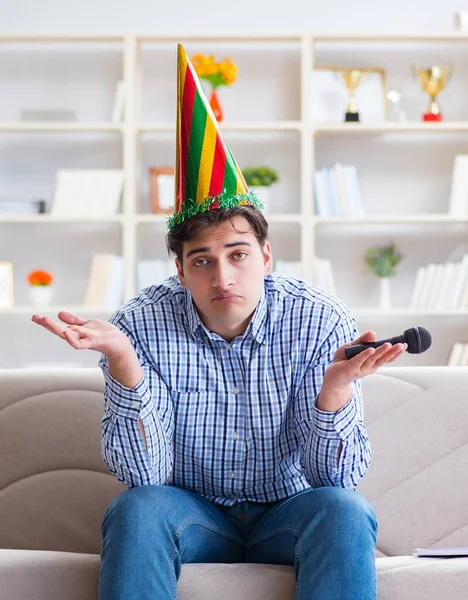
[
  {"x": 233, "y": 475},
  {"x": 135, "y": 404},
  {"x": 235, "y": 435},
  {"x": 236, "y": 390},
  {"x": 323, "y": 425}
]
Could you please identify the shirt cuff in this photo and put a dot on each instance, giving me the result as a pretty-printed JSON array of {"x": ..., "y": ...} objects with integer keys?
[
  {"x": 130, "y": 403},
  {"x": 336, "y": 425}
]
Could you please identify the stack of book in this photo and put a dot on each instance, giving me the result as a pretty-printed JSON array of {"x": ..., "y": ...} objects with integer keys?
[
  {"x": 337, "y": 192},
  {"x": 151, "y": 272},
  {"x": 441, "y": 286},
  {"x": 105, "y": 282},
  {"x": 458, "y": 355},
  {"x": 87, "y": 192},
  {"x": 323, "y": 275},
  {"x": 10, "y": 205},
  {"x": 288, "y": 268}
]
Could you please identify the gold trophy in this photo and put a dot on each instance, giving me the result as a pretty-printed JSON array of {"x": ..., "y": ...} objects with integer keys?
[
  {"x": 352, "y": 79},
  {"x": 433, "y": 80}
]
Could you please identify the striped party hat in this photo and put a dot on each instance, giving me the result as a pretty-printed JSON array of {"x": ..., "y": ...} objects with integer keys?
[{"x": 207, "y": 175}]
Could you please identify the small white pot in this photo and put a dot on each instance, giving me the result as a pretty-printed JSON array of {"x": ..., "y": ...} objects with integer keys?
[
  {"x": 263, "y": 193},
  {"x": 41, "y": 295},
  {"x": 385, "y": 293}
]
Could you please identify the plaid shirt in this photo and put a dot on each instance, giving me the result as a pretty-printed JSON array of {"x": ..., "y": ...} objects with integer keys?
[{"x": 234, "y": 421}]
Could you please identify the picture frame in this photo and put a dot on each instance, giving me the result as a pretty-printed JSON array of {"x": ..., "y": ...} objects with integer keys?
[
  {"x": 162, "y": 189},
  {"x": 6, "y": 285},
  {"x": 330, "y": 95}
]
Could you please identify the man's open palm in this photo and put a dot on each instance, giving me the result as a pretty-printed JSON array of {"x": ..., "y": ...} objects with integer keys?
[
  {"x": 342, "y": 371},
  {"x": 85, "y": 335}
]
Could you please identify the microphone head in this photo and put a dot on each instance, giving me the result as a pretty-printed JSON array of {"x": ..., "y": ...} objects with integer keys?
[{"x": 418, "y": 339}]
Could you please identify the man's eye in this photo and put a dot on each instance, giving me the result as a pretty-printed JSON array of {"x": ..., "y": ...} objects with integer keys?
[
  {"x": 240, "y": 255},
  {"x": 201, "y": 262}
]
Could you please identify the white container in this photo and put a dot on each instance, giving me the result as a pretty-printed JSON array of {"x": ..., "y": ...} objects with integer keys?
[
  {"x": 40, "y": 295},
  {"x": 385, "y": 293}
]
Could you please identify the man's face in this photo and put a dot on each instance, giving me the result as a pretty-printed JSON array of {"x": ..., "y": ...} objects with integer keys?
[{"x": 224, "y": 272}]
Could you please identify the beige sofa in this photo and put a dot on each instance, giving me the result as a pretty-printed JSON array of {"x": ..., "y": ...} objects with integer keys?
[{"x": 54, "y": 489}]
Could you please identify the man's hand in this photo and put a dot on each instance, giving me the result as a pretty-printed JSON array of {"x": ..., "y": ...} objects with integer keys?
[
  {"x": 336, "y": 387},
  {"x": 87, "y": 335}
]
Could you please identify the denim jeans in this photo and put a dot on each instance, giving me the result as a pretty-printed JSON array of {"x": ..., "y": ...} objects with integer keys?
[{"x": 327, "y": 534}]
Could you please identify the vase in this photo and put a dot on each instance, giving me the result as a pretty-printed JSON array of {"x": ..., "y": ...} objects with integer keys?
[
  {"x": 40, "y": 295},
  {"x": 385, "y": 293},
  {"x": 216, "y": 106}
]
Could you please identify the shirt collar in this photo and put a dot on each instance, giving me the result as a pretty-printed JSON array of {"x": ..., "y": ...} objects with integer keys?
[{"x": 256, "y": 327}]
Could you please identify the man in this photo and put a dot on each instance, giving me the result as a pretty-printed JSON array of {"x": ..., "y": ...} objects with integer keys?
[{"x": 231, "y": 411}]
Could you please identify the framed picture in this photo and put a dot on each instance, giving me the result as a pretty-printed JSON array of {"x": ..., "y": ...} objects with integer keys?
[
  {"x": 6, "y": 285},
  {"x": 330, "y": 95},
  {"x": 162, "y": 189}
]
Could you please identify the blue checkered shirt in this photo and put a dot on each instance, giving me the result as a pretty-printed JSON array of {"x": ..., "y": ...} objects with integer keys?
[{"x": 234, "y": 421}]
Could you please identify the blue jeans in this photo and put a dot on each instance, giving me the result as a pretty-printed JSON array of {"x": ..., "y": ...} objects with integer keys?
[{"x": 328, "y": 534}]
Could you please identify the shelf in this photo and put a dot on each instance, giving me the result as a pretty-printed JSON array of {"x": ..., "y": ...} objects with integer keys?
[
  {"x": 47, "y": 310},
  {"x": 229, "y": 126},
  {"x": 378, "y": 220},
  {"x": 228, "y": 37},
  {"x": 403, "y": 312},
  {"x": 57, "y": 126},
  {"x": 278, "y": 218},
  {"x": 52, "y": 219},
  {"x": 390, "y": 37},
  {"x": 389, "y": 128},
  {"x": 51, "y": 37}
]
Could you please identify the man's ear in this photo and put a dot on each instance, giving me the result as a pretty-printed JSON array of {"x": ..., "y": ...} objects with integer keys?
[
  {"x": 267, "y": 258},
  {"x": 180, "y": 272}
]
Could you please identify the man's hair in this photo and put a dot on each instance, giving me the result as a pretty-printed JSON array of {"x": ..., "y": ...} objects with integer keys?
[{"x": 192, "y": 226}]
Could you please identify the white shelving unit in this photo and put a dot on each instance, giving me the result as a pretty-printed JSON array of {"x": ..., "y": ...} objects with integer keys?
[{"x": 273, "y": 125}]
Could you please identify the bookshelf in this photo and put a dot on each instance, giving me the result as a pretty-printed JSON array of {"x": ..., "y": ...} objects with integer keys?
[{"x": 276, "y": 128}]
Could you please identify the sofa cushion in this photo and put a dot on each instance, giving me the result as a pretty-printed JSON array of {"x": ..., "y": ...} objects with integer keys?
[{"x": 48, "y": 575}]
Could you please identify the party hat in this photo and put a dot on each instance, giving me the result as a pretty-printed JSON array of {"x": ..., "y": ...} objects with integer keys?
[{"x": 207, "y": 175}]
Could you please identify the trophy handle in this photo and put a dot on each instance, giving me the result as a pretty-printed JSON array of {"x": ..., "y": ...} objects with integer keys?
[{"x": 450, "y": 67}]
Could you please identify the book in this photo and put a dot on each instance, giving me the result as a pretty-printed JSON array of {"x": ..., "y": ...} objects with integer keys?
[
  {"x": 119, "y": 102},
  {"x": 440, "y": 552},
  {"x": 104, "y": 288},
  {"x": 87, "y": 192},
  {"x": 458, "y": 203}
]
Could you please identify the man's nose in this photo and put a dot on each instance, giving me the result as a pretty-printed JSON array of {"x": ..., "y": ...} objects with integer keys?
[{"x": 223, "y": 276}]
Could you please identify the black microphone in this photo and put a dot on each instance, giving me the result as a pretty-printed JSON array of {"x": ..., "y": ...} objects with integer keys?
[{"x": 417, "y": 338}]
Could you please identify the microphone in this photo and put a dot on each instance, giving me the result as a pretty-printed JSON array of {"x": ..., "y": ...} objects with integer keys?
[{"x": 417, "y": 338}]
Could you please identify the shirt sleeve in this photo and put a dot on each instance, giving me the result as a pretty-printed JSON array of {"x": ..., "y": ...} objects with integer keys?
[
  {"x": 122, "y": 445},
  {"x": 321, "y": 433}
]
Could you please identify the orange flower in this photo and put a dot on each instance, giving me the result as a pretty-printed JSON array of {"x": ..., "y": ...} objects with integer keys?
[
  {"x": 40, "y": 278},
  {"x": 216, "y": 73}
]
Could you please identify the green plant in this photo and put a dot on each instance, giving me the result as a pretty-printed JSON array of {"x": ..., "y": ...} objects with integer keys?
[
  {"x": 259, "y": 176},
  {"x": 382, "y": 260}
]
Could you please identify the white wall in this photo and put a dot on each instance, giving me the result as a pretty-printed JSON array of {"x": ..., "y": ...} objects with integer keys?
[{"x": 188, "y": 16}]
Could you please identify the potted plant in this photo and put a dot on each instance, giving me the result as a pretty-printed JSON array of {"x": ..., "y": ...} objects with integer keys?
[
  {"x": 259, "y": 179},
  {"x": 382, "y": 262},
  {"x": 216, "y": 74},
  {"x": 40, "y": 292}
]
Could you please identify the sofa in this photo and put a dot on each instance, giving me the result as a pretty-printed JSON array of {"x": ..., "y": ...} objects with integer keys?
[{"x": 54, "y": 489}]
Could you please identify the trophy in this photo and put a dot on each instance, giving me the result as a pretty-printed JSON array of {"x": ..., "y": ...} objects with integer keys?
[
  {"x": 352, "y": 79},
  {"x": 433, "y": 80}
]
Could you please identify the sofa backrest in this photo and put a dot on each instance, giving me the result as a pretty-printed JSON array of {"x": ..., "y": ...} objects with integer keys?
[
  {"x": 417, "y": 420},
  {"x": 54, "y": 487}
]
